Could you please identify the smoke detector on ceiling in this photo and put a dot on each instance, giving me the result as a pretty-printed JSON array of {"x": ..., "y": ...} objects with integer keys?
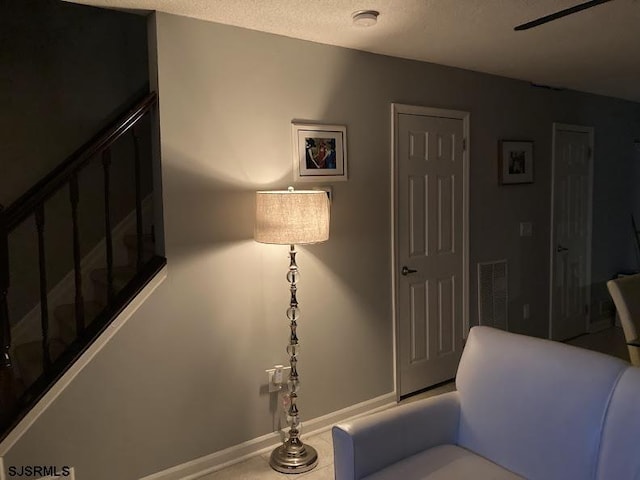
[{"x": 365, "y": 18}]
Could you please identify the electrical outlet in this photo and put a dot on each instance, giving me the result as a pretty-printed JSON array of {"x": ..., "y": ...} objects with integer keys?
[{"x": 274, "y": 384}]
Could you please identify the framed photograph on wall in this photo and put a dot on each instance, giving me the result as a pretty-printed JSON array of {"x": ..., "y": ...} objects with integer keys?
[
  {"x": 515, "y": 163},
  {"x": 319, "y": 153}
]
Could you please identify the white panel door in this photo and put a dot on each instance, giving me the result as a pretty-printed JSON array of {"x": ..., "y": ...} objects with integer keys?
[
  {"x": 571, "y": 234},
  {"x": 430, "y": 229}
]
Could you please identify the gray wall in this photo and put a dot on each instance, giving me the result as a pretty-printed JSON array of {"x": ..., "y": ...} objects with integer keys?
[
  {"x": 183, "y": 378},
  {"x": 616, "y": 196}
]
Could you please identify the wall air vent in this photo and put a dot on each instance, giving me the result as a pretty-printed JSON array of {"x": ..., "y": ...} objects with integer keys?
[{"x": 493, "y": 294}]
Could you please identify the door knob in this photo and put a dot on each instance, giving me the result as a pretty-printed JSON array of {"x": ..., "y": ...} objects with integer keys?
[
  {"x": 406, "y": 270},
  {"x": 561, "y": 249}
]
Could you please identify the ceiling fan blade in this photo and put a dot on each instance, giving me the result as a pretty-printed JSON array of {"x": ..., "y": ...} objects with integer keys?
[{"x": 560, "y": 14}]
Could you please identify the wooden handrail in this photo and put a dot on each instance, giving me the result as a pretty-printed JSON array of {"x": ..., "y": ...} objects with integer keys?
[{"x": 26, "y": 205}]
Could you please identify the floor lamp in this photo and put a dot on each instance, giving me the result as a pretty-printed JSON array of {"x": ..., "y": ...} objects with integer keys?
[{"x": 288, "y": 218}]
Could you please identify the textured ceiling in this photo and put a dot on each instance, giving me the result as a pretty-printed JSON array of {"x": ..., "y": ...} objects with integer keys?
[{"x": 597, "y": 50}]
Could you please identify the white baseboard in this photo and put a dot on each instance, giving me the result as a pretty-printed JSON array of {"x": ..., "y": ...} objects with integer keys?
[
  {"x": 79, "y": 365},
  {"x": 238, "y": 453}
]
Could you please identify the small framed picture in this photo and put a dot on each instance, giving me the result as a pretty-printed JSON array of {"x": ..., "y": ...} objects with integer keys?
[
  {"x": 515, "y": 164},
  {"x": 319, "y": 153}
]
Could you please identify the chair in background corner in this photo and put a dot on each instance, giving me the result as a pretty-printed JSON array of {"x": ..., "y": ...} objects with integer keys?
[{"x": 625, "y": 292}]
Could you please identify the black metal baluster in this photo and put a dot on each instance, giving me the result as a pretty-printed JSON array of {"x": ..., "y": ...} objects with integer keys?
[
  {"x": 138, "y": 167},
  {"x": 106, "y": 163},
  {"x": 44, "y": 307},
  {"x": 5, "y": 326},
  {"x": 79, "y": 300}
]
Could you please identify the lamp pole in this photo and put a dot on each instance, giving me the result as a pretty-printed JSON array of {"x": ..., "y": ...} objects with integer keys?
[{"x": 293, "y": 456}]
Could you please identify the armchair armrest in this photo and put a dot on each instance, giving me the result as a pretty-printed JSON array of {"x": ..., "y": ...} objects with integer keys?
[{"x": 372, "y": 443}]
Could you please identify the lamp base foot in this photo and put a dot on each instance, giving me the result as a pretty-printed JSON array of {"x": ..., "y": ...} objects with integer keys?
[{"x": 293, "y": 457}]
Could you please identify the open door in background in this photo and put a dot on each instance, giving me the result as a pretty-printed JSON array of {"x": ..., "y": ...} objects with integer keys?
[
  {"x": 430, "y": 210},
  {"x": 571, "y": 219}
]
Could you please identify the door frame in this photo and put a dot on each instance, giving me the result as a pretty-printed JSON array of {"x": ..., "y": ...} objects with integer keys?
[
  {"x": 591, "y": 132},
  {"x": 397, "y": 109}
]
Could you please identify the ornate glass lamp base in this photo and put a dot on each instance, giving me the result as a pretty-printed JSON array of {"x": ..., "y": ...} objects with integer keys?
[{"x": 293, "y": 458}]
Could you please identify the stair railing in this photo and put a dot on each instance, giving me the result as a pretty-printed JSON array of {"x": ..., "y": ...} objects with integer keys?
[
  {"x": 5, "y": 327},
  {"x": 31, "y": 204},
  {"x": 7, "y": 398}
]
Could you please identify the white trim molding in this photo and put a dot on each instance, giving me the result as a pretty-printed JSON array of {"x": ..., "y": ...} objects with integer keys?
[
  {"x": 591, "y": 132},
  {"x": 257, "y": 446},
  {"x": 79, "y": 365},
  {"x": 397, "y": 109}
]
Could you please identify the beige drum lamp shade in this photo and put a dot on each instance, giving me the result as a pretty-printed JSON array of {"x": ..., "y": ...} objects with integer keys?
[{"x": 292, "y": 217}]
